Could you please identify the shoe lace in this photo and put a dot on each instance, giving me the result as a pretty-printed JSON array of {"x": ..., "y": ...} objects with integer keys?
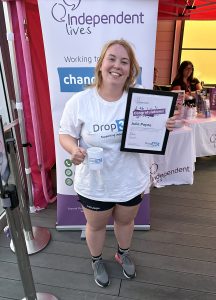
[
  {"x": 126, "y": 258},
  {"x": 99, "y": 265}
]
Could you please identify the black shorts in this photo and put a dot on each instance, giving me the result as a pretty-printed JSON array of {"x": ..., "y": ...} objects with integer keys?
[{"x": 101, "y": 206}]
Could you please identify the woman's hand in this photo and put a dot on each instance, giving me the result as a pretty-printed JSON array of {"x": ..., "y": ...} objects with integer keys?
[
  {"x": 70, "y": 144},
  {"x": 78, "y": 155},
  {"x": 170, "y": 124}
]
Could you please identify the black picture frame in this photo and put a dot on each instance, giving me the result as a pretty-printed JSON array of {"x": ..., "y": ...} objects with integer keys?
[{"x": 150, "y": 105}]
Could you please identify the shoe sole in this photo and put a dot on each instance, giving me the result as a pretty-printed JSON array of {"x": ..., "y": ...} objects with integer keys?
[
  {"x": 124, "y": 273},
  {"x": 101, "y": 285},
  {"x": 129, "y": 277}
]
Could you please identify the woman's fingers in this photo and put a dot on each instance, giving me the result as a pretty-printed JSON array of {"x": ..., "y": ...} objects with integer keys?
[
  {"x": 170, "y": 124},
  {"x": 78, "y": 156}
]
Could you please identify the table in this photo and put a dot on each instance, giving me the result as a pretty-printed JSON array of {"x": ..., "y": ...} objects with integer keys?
[
  {"x": 204, "y": 130},
  {"x": 177, "y": 165}
]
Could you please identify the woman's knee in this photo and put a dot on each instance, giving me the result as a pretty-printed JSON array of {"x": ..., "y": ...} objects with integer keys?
[
  {"x": 124, "y": 222},
  {"x": 97, "y": 221},
  {"x": 95, "y": 226},
  {"x": 125, "y": 215}
]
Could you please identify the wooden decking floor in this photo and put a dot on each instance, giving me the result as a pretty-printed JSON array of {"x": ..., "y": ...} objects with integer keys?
[{"x": 176, "y": 259}]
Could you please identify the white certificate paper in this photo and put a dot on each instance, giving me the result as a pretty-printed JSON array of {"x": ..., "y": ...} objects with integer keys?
[{"x": 146, "y": 115}]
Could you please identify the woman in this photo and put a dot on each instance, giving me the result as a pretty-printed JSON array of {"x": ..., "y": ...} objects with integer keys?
[
  {"x": 184, "y": 79},
  {"x": 94, "y": 117}
]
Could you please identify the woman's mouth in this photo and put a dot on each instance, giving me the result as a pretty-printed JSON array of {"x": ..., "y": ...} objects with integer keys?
[{"x": 115, "y": 74}]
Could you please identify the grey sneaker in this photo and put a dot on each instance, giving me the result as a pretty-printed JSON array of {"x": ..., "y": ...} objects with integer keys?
[
  {"x": 100, "y": 273},
  {"x": 127, "y": 264}
]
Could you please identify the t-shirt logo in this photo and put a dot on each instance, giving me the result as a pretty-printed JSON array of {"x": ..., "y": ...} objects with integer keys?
[
  {"x": 120, "y": 124},
  {"x": 116, "y": 126}
]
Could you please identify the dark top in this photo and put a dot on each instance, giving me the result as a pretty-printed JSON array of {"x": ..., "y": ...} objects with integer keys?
[{"x": 191, "y": 87}]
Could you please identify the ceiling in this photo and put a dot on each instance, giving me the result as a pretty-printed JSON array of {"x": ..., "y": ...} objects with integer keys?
[{"x": 187, "y": 10}]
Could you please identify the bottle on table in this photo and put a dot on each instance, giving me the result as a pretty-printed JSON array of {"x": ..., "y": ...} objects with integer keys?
[{"x": 207, "y": 112}]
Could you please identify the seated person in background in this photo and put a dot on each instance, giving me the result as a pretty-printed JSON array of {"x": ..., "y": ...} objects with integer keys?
[
  {"x": 155, "y": 86},
  {"x": 184, "y": 79}
]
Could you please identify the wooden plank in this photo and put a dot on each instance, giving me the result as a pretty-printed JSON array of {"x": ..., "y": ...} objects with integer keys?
[
  {"x": 40, "y": 221},
  {"x": 175, "y": 250},
  {"x": 177, "y": 238},
  {"x": 142, "y": 290},
  {"x": 11, "y": 289},
  {"x": 165, "y": 25},
  {"x": 186, "y": 219},
  {"x": 62, "y": 277},
  {"x": 180, "y": 227},
  {"x": 66, "y": 236},
  {"x": 61, "y": 293},
  {"x": 169, "y": 263},
  {"x": 165, "y": 36},
  {"x": 177, "y": 279},
  {"x": 142, "y": 259},
  {"x": 164, "y": 54},
  {"x": 76, "y": 264},
  {"x": 59, "y": 278},
  {"x": 4, "y": 241},
  {"x": 182, "y": 192},
  {"x": 160, "y": 200},
  {"x": 170, "y": 208}
]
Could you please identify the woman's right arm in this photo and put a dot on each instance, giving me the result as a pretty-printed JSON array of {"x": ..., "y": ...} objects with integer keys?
[{"x": 70, "y": 144}]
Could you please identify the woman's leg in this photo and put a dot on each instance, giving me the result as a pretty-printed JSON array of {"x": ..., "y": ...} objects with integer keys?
[
  {"x": 95, "y": 236},
  {"x": 124, "y": 224},
  {"x": 96, "y": 229}
]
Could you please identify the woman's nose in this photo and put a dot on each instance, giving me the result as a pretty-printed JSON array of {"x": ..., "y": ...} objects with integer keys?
[{"x": 117, "y": 64}]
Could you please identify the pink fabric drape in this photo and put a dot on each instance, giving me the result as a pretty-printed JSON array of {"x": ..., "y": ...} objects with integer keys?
[{"x": 42, "y": 100}]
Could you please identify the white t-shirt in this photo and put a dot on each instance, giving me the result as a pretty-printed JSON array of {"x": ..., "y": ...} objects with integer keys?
[{"x": 99, "y": 123}]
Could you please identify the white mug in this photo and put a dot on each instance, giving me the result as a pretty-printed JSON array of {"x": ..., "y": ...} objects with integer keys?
[{"x": 95, "y": 158}]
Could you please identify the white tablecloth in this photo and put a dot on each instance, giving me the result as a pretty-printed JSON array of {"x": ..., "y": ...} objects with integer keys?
[
  {"x": 204, "y": 130},
  {"x": 177, "y": 165}
]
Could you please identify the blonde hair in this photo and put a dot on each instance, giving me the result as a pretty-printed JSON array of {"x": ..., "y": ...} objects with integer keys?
[{"x": 134, "y": 66}]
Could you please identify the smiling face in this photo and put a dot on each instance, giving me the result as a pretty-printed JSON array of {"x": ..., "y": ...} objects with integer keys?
[{"x": 115, "y": 67}]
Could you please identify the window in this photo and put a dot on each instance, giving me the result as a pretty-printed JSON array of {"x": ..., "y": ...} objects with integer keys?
[{"x": 199, "y": 46}]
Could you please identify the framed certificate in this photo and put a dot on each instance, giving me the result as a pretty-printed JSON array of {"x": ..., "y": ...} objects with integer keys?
[{"x": 146, "y": 115}]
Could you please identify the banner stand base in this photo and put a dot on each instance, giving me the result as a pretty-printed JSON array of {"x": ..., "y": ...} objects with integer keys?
[
  {"x": 83, "y": 235},
  {"x": 109, "y": 227}
]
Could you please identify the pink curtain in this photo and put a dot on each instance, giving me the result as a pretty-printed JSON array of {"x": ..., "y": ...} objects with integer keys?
[{"x": 42, "y": 100}]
